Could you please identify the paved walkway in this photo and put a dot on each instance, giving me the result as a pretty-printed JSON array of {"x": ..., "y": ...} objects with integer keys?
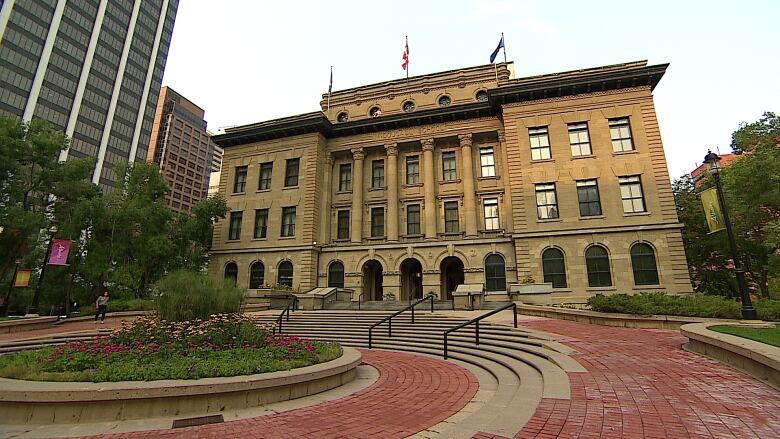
[
  {"x": 88, "y": 325},
  {"x": 641, "y": 384},
  {"x": 413, "y": 392}
]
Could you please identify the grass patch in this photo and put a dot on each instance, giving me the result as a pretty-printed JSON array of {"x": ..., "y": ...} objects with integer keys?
[
  {"x": 770, "y": 336},
  {"x": 692, "y": 305},
  {"x": 149, "y": 349}
]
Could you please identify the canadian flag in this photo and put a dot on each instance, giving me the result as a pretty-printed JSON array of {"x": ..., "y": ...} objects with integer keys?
[{"x": 405, "y": 62}]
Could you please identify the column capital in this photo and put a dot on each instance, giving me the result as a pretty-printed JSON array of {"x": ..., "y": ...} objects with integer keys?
[
  {"x": 501, "y": 136},
  {"x": 465, "y": 140},
  {"x": 358, "y": 154},
  {"x": 427, "y": 144},
  {"x": 328, "y": 158},
  {"x": 391, "y": 148}
]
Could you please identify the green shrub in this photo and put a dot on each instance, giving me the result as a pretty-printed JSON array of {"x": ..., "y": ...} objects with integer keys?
[
  {"x": 694, "y": 305},
  {"x": 121, "y": 305},
  {"x": 186, "y": 295}
]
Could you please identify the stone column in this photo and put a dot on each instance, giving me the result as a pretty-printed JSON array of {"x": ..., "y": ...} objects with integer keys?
[
  {"x": 429, "y": 178},
  {"x": 392, "y": 191},
  {"x": 357, "y": 195},
  {"x": 507, "y": 221},
  {"x": 469, "y": 198},
  {"x": 327, "y": 186}
]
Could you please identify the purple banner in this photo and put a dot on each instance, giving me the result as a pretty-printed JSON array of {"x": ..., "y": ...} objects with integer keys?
[{"x": 59, "y": 252}]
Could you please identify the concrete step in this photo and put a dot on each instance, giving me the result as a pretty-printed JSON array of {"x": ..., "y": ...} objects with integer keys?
[{"x": 386, "y": 305}]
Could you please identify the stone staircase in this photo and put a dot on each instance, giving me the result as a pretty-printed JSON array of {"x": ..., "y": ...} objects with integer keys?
[
  {"x": 516, "y": 368},
  {"x": 386, "y": 305}
]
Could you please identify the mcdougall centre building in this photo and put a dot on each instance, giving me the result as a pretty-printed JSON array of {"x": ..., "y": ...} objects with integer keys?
[{"x": 465, "y": 176}]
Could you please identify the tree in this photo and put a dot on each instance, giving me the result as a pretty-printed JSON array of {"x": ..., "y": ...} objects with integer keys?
[
  {"x": 192, "y": 234},
  {"x": 765, "y": 132}
]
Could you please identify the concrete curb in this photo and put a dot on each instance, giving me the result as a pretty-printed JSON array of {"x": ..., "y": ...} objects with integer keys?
[
  {"x": 39, "y": 402},
  {"x": 760, "y": 360}
]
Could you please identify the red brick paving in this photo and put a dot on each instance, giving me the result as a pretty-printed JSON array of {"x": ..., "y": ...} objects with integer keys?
[
  {"x": 57, "y": 329},
  {"x": 412, "y": 393},
  {"x": 641, "y": 384}
]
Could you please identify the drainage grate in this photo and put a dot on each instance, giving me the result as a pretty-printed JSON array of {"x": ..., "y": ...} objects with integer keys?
[{"x": 201, "y": 420}]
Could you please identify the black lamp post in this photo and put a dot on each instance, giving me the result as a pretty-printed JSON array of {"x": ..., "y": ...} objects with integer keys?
[
  {"x": 712, "y": 161},
  {"x": 7, "y": 301},
  {"x": 37, "y": 296}
]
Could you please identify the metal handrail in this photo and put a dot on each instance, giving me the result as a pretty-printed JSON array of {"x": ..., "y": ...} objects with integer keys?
[
  {"x": 476, "y": 320},
  {"x": 389, "y": 319},
  {"x": 360, "y": 299},
  {"x": 292, "y": 302}
]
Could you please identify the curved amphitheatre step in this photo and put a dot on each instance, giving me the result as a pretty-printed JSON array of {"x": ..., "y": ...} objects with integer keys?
[{"x": 515, "y": 367}]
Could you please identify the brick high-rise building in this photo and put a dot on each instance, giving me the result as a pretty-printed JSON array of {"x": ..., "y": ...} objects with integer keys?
[
  {"x": 182, "y": 148},
  {"x": 91, "y": 67},
  {"x": 470, "y": 176}
]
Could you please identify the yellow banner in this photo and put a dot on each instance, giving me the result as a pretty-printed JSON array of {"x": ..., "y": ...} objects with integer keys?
[
  {"x": 22, "y": 278},
  {"x": 712, "y": 210}
]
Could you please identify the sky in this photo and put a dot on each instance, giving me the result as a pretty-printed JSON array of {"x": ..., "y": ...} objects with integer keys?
[{"x": 246, "y": 61}]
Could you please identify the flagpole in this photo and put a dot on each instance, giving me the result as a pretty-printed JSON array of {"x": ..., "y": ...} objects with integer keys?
[
  {"x": 502, "y": 39},
  {"x": 330, "y": 87},
  {"x": 495, "y": 67},
  {"x": 406, "y": 37}
]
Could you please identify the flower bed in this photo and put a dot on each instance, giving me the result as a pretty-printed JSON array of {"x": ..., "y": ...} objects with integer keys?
[
  {"x": 693, "y": 305},
  {"x": 148, "y": 349}
]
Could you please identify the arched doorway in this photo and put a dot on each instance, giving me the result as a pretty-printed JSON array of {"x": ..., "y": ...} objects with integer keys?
[
  {"x": 411, "y": 280},
  {"x": 372, "y": 280},
  {"x": 451, "y": 276}
]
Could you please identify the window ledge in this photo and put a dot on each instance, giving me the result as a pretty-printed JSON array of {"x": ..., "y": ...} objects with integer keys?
[
  {"x": 550, "y": 160},
  {"x": 290, "y": 187},
  {"x": 263, "y": 190},
  {"x": 591, "y": 217},
  {"x": 260, "y": 239},
  {"x": 411, "y": 185},
  {"x": 344, "y": 192},
  {"x": 457, "y": 180},
  {"x": 586, "y": 156},
  {"x": 494, "y": 177},
  {"x": 637, "y": 214},
  {"x": 233, "y": 240},
  {"x": 238, "y": 193},
  {"x": 492, "y": 231},
  {"x": 451, "y": 234},
  {"x": 416, "y": 235},
  {"x": 648, "y": 287},
  {"x": 287, "y": 237},
  {"x": 376, "y": 238},
  {"x": 341, "y": 240},
  {"x": 633, "y": 151},
  {"x": 549, "y": 220},
  {"x": 612, "y": 288},
  {"x": 371, "y": 189}
]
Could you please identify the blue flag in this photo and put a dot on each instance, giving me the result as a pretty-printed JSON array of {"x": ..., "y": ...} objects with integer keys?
[{"x": 495, "y": 52}]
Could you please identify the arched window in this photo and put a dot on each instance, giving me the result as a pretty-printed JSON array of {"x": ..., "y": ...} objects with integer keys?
[
  {"x": 256, "y": 275},
  {"x": 231, "y": 272},
  {"x": 285, "y": 273},
  {"x": 597, "y": 262},
  {"x": 643, "y": 263},
  {"x": 336, "y": 275},
  {"x": 554, "y": 267},
  {"x": 495, "y": 273}
]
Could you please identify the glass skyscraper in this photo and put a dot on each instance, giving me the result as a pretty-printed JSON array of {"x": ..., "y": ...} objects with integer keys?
[{"x": 91, "y": 67}]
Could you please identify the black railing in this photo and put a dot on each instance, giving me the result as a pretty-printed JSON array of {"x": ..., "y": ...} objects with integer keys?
[
  {"x": 360, "y": 299},
  {"x": 292, "y": 304},
  {"x": 476, "y": 320},
  {"x": 389, "y": 319}
]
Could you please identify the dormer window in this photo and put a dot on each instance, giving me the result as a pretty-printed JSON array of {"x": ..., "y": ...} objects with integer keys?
[
  {"x": 445, "y": 101},
  {"x": 374, "y": 112},
  {"x": 409, "y": 106},
  {"x": 342, "y": 117}
]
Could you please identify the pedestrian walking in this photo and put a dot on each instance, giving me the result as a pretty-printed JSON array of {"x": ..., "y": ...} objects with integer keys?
[{"x": 101, "y": 306}]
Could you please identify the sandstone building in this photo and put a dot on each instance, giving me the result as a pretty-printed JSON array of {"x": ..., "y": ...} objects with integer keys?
[{"x": 466, "y": 176}]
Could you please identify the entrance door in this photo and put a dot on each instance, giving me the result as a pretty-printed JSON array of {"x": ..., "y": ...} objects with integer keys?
[
  {"x": 451, "y": 276},
  {"x": 411, "y": 280},
  {"x": 372, "y": 280}
]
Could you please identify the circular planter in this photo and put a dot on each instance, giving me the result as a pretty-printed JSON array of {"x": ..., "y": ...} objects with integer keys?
[{"x": 42, "y": 402}]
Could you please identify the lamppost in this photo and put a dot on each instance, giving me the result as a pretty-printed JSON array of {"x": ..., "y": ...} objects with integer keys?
[
  {"x": 37, "y": 297},
  {"x": 712, "y": 161},
  {"x": 7, "y": 301}
]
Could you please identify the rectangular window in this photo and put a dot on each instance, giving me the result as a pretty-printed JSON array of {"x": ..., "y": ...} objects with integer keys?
[
  {"x": 448, "y": 166},
  {"x": 345, "y": 177},
  {"x": 261, "y": 223},
  {"x": 588, "y": 196},
  {"x": 378, "y": 173},
  {"x": 377, "y": 222},
  {"x": 266, "y": 169},
  {"x": 546, "y": 201},
  {"x": 413, "y": 219},
  {"x": 235, "y": 225},
  {"x": 540, "y": 143},
  {"x": 413, "y": 169},
  {"x": 291, "y": 173},
  {"x": 620, "y": 131},
  {"x": 631, "y": 193},
  {"x": 491, "y": 213},
  {"x": 487, "y": 161},
  {"x": 343, "y": 225},
  {"x": 451, "y": 217},
  {"x": 239, "y": 184},
  {"x": 288, "y": 221},
  {"x": 579, "y": 139}
]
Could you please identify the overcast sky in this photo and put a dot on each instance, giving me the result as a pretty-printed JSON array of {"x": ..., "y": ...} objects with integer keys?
[{"x": 248, "y": 61}]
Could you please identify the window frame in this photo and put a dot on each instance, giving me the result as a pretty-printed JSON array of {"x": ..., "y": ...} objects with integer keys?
[
  {"x": 487, "y": 170},
  {"x": 292, "y": 172},
  {"x": 234, "y": 273},
  {"x": 451, "y": 225},
  {"x": 343, "y": 214},
  {"x": 599, "y": 276},
  {"x": 288, "y": 227},
  {"x": 449, "y": 158},
  {"x": 537, "y": 151},
  {"x": 345, "y": 177},
  {"x": 377, "y": 173},
  {"x": 617, "y": 134},
  {"x": 546, "y": 189},
  {"x": 252, "y": 275},
  {"x": 579, "y": 128},
  {"x": 582, "y": 190},
  {"x": 492, "y": 219},
  {"x": 655, "y": 278},
  {"x": 234, "y": 226},
  {"x": 261, "y": 213},
  {"x": 414, "y": 177},
  {"x": 632, "y": 182},
  {"x": 409, "y": 222},
  {"x": 266, "y": 178},
  {"x": 239, "y": 178},
  {"x": 492, "y": 281},
  {"x": 283, "y": 271},
  {"x": 551, "y": 277},
  {"x": 377, "y": 227},
  {"x": 331, "y": 273}
]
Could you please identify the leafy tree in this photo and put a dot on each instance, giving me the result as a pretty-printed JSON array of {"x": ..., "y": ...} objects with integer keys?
[
  {"x": 765, "y": 132},
  {"x": 192, "y": 234}
]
